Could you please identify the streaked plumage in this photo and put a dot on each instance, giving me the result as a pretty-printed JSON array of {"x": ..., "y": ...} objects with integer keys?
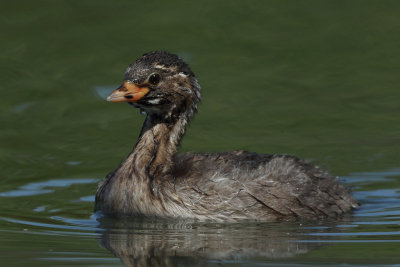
[{"x": 156, "y": 181}]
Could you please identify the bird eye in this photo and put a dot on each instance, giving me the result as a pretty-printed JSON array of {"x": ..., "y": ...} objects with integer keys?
[{"x": 154, "y": 78}]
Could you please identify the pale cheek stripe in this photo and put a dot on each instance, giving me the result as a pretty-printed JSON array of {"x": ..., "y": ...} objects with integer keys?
[
  {"x": 154, "y": 101},
  {"x": 161, "y": 67}
]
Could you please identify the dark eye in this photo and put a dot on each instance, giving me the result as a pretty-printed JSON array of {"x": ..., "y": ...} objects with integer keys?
[{"x": 154, "y": 78}]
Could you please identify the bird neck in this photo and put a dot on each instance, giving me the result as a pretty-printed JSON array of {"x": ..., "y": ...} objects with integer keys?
[{"x": 152, "y": 158}]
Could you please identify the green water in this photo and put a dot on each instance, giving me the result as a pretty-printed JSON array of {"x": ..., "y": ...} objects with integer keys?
[{"x": 317, "y": 79}]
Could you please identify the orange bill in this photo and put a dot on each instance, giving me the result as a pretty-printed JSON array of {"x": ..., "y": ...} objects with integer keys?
[{"x": 128, "y": 92}]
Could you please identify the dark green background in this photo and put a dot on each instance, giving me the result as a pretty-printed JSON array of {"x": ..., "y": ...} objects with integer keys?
[{"x": 317, "y": 79}]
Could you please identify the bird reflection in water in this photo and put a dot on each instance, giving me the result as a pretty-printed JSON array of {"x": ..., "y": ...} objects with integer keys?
[{"x": 158, "y": 242}]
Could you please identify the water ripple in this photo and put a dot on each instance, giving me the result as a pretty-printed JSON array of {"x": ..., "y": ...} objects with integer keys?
[{"x": 45, "y": 187}]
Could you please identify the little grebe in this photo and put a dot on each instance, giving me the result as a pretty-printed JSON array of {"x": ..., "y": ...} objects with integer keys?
[{"x": 156, "y": 181}]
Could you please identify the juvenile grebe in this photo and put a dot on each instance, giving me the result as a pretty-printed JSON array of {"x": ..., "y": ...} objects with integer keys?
[{"x": 156, "y": 181}]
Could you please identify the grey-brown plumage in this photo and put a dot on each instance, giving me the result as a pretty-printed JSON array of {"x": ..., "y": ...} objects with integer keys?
[{"x": 156, "y": 181}]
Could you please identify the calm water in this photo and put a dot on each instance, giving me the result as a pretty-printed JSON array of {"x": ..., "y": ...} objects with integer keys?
[{"x": 317, "y": 79}]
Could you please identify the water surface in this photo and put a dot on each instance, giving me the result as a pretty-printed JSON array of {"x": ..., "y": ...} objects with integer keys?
[{"x": 316, "y": 79}]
